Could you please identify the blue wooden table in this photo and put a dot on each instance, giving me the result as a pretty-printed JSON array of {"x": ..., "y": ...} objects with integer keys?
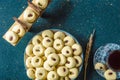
[{"x": 78, "y": 17}]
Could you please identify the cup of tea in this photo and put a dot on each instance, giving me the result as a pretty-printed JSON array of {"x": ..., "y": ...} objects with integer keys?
[
  {"x": 113, "y": 60},
  {"x": 109, "y": 56}
]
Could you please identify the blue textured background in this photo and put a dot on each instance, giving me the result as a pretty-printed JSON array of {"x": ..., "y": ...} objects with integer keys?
[{"x": 78, "y": 17}]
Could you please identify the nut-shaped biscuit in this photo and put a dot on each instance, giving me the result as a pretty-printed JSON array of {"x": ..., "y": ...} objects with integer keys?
[
  {"x": 67, "y": 51},
  {"x": 38, "y": 50},
  {"x": 100, "y": 66},
  {"x": 37, "y": 61},
  {"x": 52, "y": 75},
  {"x": 59, "y": 35},
  {"x": 47, "y": 33},
  {"x": 48, "y": 67},
  {"x": 70, "y": 63},
  {"x": 73, "y": 73},
  {"x": 78, "y": 60},
  {"x": 11, "y": 37},
  {"x": 58, "y": 44},
  {"x": 110, "y": 75},
  {"x": 47, "y": 42},
  {"x": 41, "y": 3},
  {"x": 69, "y": 41},
  {"x": 28, "y": 62},
  {"x": 29, "y": 16},
  {"x": 62, "y": 59},
  {"x": 77, "y": 49},
  {"x": 49, "y": 51},
  {"x": 36, "y": 40},
  {"x": 62, "y": 71},
  {"x": 53, "y": 59},
  {"x": 29, "y": 50},
  {"x": 40, "y": 73},
  {"x": 18, "y": 29},
  {"x": 31, "y": 73}
]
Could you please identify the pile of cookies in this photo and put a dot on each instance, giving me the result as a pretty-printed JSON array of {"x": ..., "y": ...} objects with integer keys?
[
  {"x": 108, "y": 73},
  {"x": 25, "y": 21},
  {"x": 53, "y": 55}
]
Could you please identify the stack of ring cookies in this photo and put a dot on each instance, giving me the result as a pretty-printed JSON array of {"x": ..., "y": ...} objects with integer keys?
[
  {"x": 53, "y": 55},
  {"x": 25, "y": 21}
]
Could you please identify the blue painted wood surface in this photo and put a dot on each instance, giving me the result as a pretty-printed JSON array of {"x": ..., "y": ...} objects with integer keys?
[{"x": 78, "y": 17}]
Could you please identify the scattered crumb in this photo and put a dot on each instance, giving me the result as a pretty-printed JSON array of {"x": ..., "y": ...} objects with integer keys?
[
  {"x": 119, "y": 40},
  {"x": 59, "y": 24},
  {"x": 3, "y": 21},
  {"x": 68, "y": 0},
  {"x": 111, "y": 4},
  {"x": 87, "y": 21},
  {"x": 23, "y": 7},
  {"x": 93, "y": 15},
  {"x": 74, "y": 5},
  {"x": 0, "y": 8},
  {"x": 37, "y": 21},
  {"x": 119, "y": 15},
  {"x": 77, "y": 30}
]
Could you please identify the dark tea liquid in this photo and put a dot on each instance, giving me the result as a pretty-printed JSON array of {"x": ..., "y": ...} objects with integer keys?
[{"x": 114, "y": 60}]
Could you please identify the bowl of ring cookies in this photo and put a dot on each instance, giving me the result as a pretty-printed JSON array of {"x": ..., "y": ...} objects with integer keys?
[{"x": 53, "y": 55}]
